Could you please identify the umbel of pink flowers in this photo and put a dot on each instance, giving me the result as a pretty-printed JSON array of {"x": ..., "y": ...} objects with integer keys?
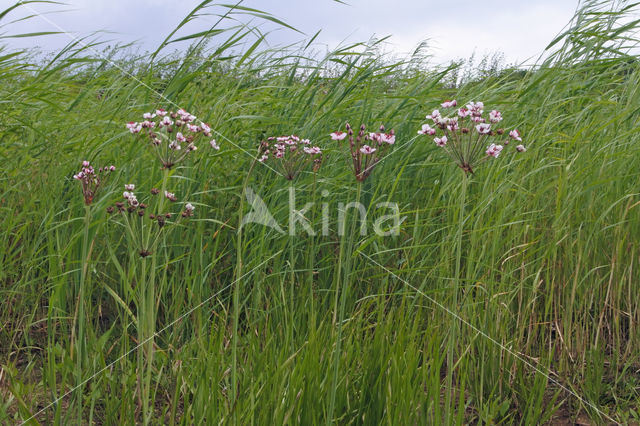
[
  {"x": 131, "y": 207},
  {"x": 290, "y": 154},
  {"x": 171, "y": 134},
  {"x": 366, "y": 149},
  {"x": 91, "y": 180},
  {"x": 468, "y": 135}
]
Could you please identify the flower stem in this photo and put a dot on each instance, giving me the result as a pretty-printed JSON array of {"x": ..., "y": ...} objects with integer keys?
[
  {"x": 147, "y": 316},
  {"x": 291, "y": 265},
  {"x": 236, "y": 292},
  {"x": 456, "y": 290},
  {"x": 144, "y": 360},
  {"x": 81, "y": 352},
  {"x": 343, "y": 299},
  {"x": 312, "y": 255}
]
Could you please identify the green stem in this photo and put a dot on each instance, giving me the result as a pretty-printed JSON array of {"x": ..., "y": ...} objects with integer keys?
[
  {"x": 343, "y": 298},
  {"x": 312, "y": 256},
  {"x": 82, "y": 291},
  {"x": 143, "y": 355},
  {"x": 150, "y": 316},
  {"x": 147, "y": 317},
  {"x": 165, "y": 179},
  {"x": 456, "y": 290},
  {"x": 292, "y": 266},
  {"x": 236, "y": 292}
]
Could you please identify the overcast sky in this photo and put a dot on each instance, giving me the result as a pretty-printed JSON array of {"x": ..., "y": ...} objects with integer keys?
[{"x": 520, "y": 29}]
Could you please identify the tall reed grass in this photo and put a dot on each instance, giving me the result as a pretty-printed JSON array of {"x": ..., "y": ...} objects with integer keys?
[{"x": 546, "y": 292}]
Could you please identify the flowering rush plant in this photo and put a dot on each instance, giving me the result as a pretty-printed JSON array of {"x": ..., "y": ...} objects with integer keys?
[
  {"x": 290, "y": 154},
  {"x": 367, "y": 149},
  {"x": 91, "y": 180},
  {"x": 171, "y": 134},
  {"x": 138, "y": 220},
  {"x": 469, "y": 136}
]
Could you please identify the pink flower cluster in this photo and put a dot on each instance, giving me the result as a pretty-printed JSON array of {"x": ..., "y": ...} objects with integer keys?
[
  {"x": 464, "y": 133},
  {"x": 367, "y": 149},
  {"x": 188, "y": 210},
  {"x": 91, "y": 179},
  {"x": 290, "y": 154},
  {"x": 169, "y": 132},
  {"x": 130, "y": 196}
]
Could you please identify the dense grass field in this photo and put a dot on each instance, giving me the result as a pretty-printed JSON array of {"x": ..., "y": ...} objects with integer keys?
[{"x": 510, "y": 296}]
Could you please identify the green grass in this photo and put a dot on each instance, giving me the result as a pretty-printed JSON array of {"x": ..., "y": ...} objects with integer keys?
[{"x": 549, "y": 248}]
